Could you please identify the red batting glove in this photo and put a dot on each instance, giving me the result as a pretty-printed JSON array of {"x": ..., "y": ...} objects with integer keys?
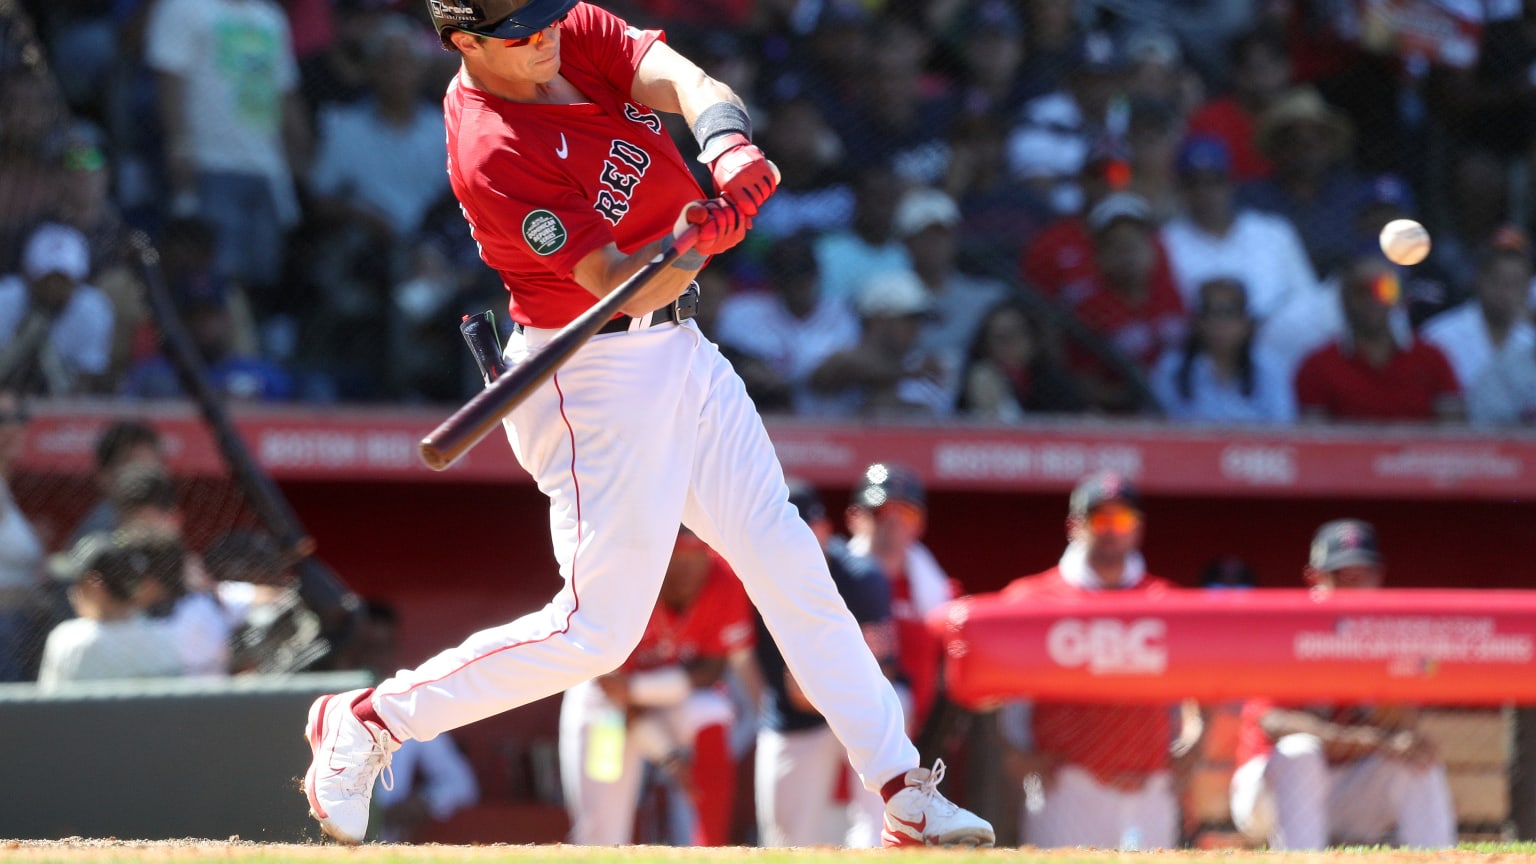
[
  {"x": 743, "y": 175},
  {"x": 720, "y": 224}
]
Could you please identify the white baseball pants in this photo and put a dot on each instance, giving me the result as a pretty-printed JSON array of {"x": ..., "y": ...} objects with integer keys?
[
  {"x": 637, "y": 432},
  {"x": 603, "y": 811},
  {"x": 796, "y": 777},
  {"x": 1078, "y": 810},
  {"x": 1295, "y": 800}
]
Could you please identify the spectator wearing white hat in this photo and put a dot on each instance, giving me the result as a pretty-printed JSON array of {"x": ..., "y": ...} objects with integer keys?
[
  {"x": 886, "y": 374},
  {"x": 55, "y": 330},
  {"x": 926, "y": 221}
]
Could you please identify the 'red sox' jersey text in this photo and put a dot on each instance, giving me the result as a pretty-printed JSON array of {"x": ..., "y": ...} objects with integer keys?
[{"x": 544, "y": 185}]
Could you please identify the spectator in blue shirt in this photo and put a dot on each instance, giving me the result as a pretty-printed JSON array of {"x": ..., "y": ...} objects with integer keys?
[{"x": 1219, "y": 376}]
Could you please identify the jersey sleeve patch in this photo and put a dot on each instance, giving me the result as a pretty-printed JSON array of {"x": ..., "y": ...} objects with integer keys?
[{"x": 544, "y": 233}]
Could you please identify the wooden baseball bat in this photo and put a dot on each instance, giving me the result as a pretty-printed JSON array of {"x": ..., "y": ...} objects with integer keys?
[{"x": 476, "y": 418}]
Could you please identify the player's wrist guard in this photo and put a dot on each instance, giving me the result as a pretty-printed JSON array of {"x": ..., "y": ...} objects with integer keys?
[{"x": 719, "y": 128}]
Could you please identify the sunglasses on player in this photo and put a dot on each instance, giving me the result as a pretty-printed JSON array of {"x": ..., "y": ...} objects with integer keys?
[
  {"x": 1114, "y": 520},
  {"x": 538, "y": 37}
]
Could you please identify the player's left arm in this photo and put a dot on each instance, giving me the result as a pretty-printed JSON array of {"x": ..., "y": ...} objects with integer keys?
[{"x": 668, "y": 81}]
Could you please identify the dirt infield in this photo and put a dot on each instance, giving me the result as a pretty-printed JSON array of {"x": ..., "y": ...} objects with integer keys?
[{"x": 77, "y": 849}]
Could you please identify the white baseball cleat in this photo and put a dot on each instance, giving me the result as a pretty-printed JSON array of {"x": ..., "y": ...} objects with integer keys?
[
  {"x": 348, "y": 756},
  {"x": 919, "y": 816}
]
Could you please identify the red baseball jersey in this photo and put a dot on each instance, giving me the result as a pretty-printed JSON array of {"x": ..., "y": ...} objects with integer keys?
[
  {"x": 1142, "y": 331},
  {"x": 717, "y": 623},
  {"x": 545, "y": 185},
  {"x": 1106, "y": 739}
]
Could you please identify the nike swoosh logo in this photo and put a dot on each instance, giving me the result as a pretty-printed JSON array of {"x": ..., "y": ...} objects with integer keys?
[
  {"x": 562, "y": 150},
  {"x": 918, "y": 826}
]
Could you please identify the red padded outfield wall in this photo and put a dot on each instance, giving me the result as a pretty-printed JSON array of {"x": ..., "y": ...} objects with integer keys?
[{"x": 1458, "y": 647}]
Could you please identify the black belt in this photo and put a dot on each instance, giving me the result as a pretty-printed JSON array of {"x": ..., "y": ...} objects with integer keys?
[{"x": 684, "y": 307}]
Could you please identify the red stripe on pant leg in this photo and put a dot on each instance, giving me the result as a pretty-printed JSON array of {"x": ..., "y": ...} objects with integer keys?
[{"x": 575, "y": 596}]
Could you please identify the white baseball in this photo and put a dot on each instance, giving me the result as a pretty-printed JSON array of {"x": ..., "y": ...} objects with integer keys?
[{"x": 1404, "y": 241}]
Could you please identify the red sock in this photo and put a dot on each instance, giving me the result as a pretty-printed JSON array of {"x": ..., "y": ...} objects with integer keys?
[
  {"x": 363, "y": 710},
  {"x": 893, "y": 785},
  {"x": 714, "y": 785}
]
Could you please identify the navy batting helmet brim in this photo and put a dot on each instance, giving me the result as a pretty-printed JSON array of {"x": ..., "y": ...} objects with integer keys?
[{"x": 488, "y": 18}]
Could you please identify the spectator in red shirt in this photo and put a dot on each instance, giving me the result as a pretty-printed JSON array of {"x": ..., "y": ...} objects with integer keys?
[
  {"x": 1058, "y": 262},
  {"x": 1102, "y": 774},
  {"x": 1134, "y": 306},
  {"x": 1374, "y": 373},
  {"x": 1261, "y": 71},
  {"x": 1352, "y": 773}
]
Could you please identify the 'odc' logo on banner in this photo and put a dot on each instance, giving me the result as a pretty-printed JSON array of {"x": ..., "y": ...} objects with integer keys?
[{"x": 1109, "y": 646}]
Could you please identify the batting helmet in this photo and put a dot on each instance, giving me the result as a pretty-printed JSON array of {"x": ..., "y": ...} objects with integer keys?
[{"x": 497, "y": 19}]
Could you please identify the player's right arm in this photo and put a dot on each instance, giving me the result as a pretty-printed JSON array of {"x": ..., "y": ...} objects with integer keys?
[
  {"x": 1343, "y": 742},
  {"x": 718, "y": 226}
]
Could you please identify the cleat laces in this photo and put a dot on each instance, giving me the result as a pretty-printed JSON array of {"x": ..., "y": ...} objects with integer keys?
[
  {"x": 377, "y": 761},
  {"x": 929, "y": 789}
]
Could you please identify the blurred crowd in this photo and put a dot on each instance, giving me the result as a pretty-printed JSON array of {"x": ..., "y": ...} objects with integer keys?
[
  {"x": 129, "y": 593},
  {"x": 990, "y": 209}
]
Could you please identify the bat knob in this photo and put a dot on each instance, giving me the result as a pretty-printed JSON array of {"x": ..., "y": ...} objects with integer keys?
[{"x": 432, "y": 457}]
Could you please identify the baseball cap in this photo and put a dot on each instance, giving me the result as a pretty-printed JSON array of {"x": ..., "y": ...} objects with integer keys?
[
  {"x": 893, "y": 294},
  {"x": 924, "y": 207},
  {"x": 55, "y": 248},
  {"x": 119, "y": 560},
  {"x": 1118, "y": 206},
  {"x": 1100, "y": 488},
  {"x": 806, "y": 500},
  {"x": 1344, "y": 543},
  {"x": 883, "y": 482},
  {"x": 1204, "y": 154}
]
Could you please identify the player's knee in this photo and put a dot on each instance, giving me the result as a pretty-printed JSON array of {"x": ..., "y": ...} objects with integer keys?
[
  {"x": 1297, "y": 759},
  {"x": 1299, "y": 748}
]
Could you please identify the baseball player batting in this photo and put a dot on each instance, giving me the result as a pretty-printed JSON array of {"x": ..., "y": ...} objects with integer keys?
[{"x": 570, "y": 184}]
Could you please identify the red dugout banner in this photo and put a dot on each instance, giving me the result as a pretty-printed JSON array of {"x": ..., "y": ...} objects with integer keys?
[
  {"x": 1460, "y": 647},
  {"x": 373, "y": 444}
]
